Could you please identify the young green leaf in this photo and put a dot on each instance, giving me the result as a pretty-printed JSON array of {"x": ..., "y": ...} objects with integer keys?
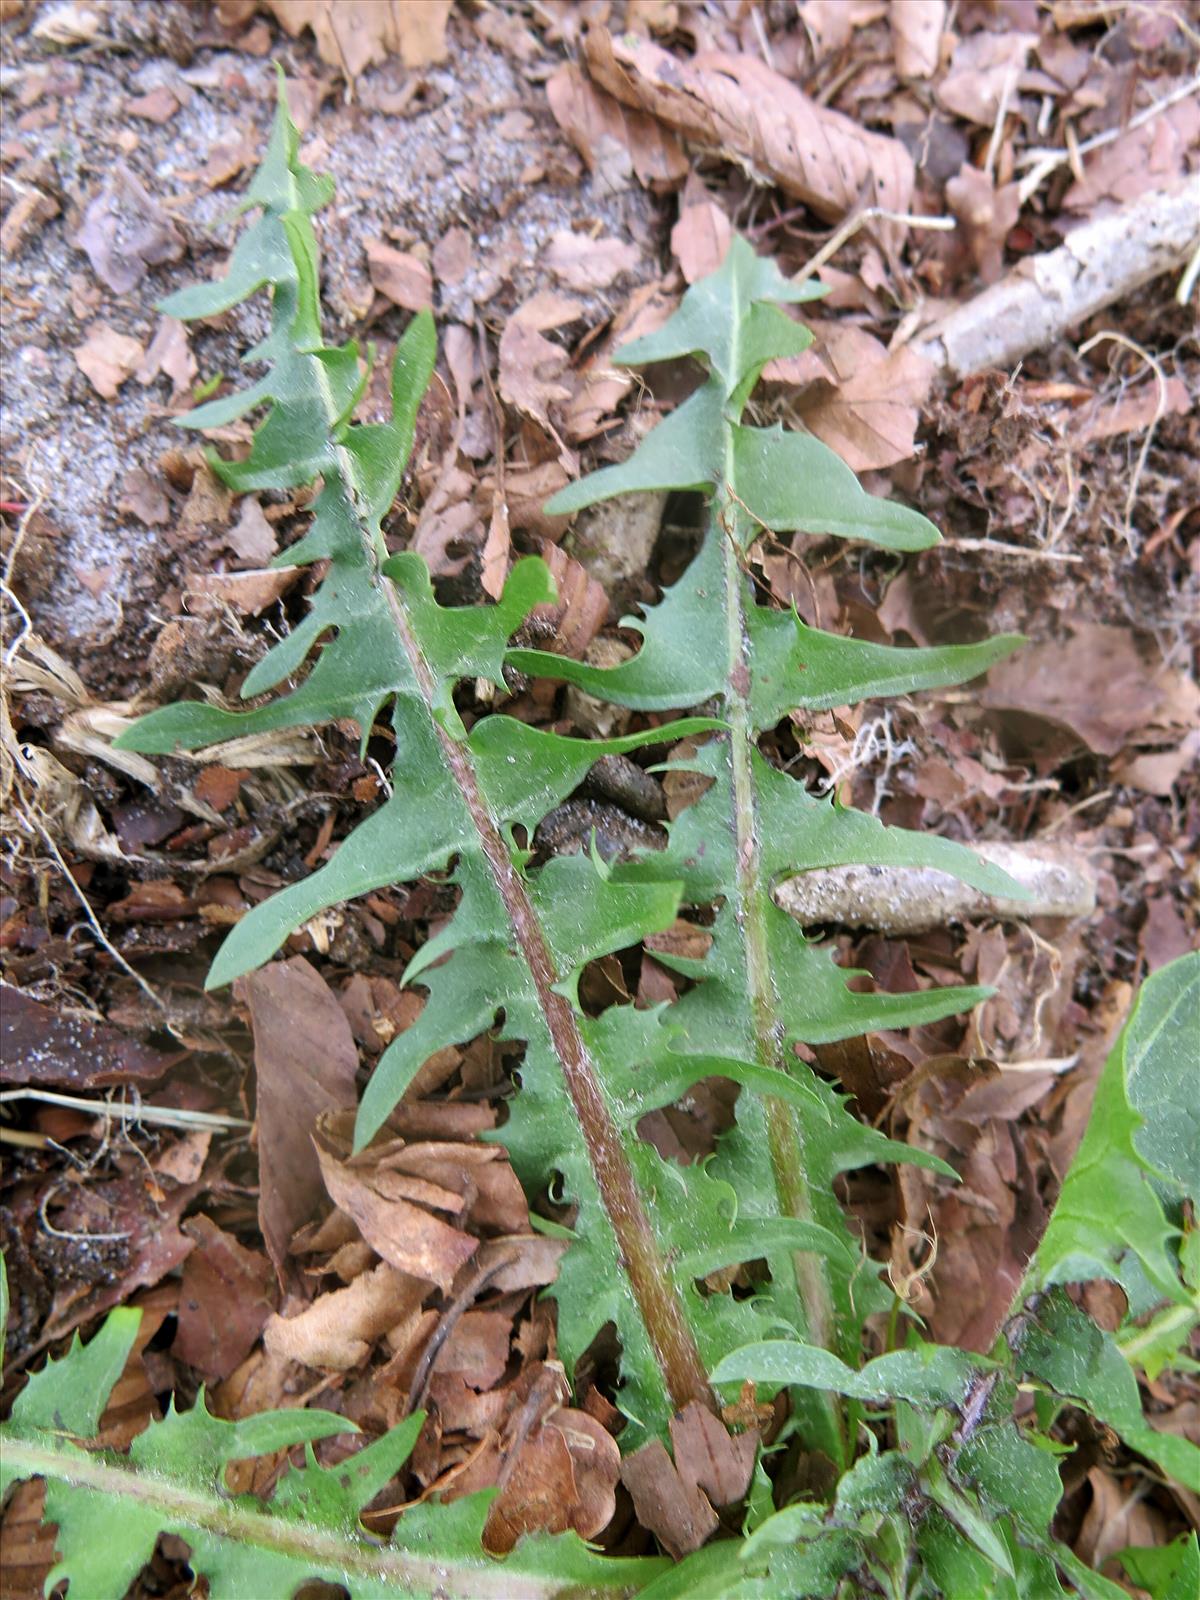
[{"x": 1140, "y": 1154}]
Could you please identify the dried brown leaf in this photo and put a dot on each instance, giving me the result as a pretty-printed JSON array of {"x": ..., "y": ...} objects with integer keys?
[
  {"x": 860, "y": 399},
  {"x": 66, "y": 1050},
  {"x": 339, "y": 1328},
  {"x": 170, "y": 352},
  {"x": 700, "y": 239},
  {"x": 224, "y": 1301},
  {"x": 252, "y": 538},
  {"x": 1098, "y": 688},
  {"x": 582, "y": 606},
  {"x": 563, "y": 1476},
  {"x": 987, "y": 215},
  {"x": 356, "y": 34},
  {"x": 585, "y": 264},
  {"x": 757, "y": 116},
  {"x": 402, "y": 278},
  {"x": 677, "y": 1513},
  {"x": 917, "y": 36},
  {"x": 125, "y": 231},
  {"x": 531, "y": 364},
  {"x": 247, "y": 593},
  {"x": 982, "y": 65},
  {"x": 107, "y": 358},
  {"x": 405, "y": 1235},
  {"x": 1143, "y": 159},
  {"x": 617, "y": 144},
  {"x": 305, "y": 1062}
]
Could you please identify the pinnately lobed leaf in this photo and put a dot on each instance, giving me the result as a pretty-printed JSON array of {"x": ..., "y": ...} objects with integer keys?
[
  {"x": 960, "y": 1503},
  {"x": 111, "y": 1509},
  {"x": 519, "y": 938}
]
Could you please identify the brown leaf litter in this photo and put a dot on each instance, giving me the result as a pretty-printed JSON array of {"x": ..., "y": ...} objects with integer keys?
[
  {"x": 305, "y": 1064},
  {"x": 754, "y": 114},
  {"x": 125, "y": 231}
]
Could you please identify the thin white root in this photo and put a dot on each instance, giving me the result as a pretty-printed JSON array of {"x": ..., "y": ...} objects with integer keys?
[
  {"x": 904, "y": 900},
  {"x": 1035, "y": 304}
]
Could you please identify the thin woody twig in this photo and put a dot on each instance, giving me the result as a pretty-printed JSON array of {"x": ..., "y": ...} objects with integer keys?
[
  {"x": 166, "y": 1116},
  {"x": 1159, "y": 410}
]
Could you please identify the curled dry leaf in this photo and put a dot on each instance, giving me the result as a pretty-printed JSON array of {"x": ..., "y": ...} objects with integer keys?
[
  {"x": 355, "y": 34},
  {"x": 700, "y": 239},
  {"x": 675, "y": 1499},
  {"x": 252, "y": 538},
  {"x": 1146, "y": 158},
  {"x": 66, "y": 1050},
  {"x": 757, "y": 116},
  {"x": 169, "y": 352},
  {"x": 917, "y": 36},
  {"x": 562, "y": 1476},
  {"x": 248, "y": 593},
  {"x": 1097, "y": 688},
  {"x": 402, "y": 278},
  {"x": 582, "y": 606},
  {"x": 107, "y": 358},
  {"x": 402, "y": 1232},
  {"x": 125, "y": 231},
  {"x": 339, "y": 1328},
  {"x": 224, "y": 1300},
  {"x": 830, "y": 24},
  {"x": 987, "y": 214},
  {"x": 617, "y": 144}
]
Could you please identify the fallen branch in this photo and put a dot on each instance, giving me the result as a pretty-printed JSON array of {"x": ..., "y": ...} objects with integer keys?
[{"x": 1099, "y": 263}]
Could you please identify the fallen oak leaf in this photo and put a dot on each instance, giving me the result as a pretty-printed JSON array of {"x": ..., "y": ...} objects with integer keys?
[
  {"x": 983, "y": 69},
  {"x": 700, "y": 239},
  {"x": 405, "y": 1235},
  {"x": 305, "y": 1062},
  {"x": 248, "y": 593},
  {"x": 170, "y": 352},
  {"x": 355, "y": 34},
  {"x": 861, "y": 399},
  {"x": 339, "y": 1328},
  {"x": 617, "y": 144},
  {"x": 917, "y": 36},
  {"x": 563, "y": 1476}
]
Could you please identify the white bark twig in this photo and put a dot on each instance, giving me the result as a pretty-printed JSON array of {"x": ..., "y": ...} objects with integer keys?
[{"x": 1099, "y": 263}]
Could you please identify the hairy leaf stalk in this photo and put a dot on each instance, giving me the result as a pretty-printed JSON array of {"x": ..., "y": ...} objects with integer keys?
[
  {"x": 653, "y": 1287},
  {"x": 753, "y": 892}
]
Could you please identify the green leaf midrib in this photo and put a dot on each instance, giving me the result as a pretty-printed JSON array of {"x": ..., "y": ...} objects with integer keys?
[{"x": 785, "y": 1143}]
